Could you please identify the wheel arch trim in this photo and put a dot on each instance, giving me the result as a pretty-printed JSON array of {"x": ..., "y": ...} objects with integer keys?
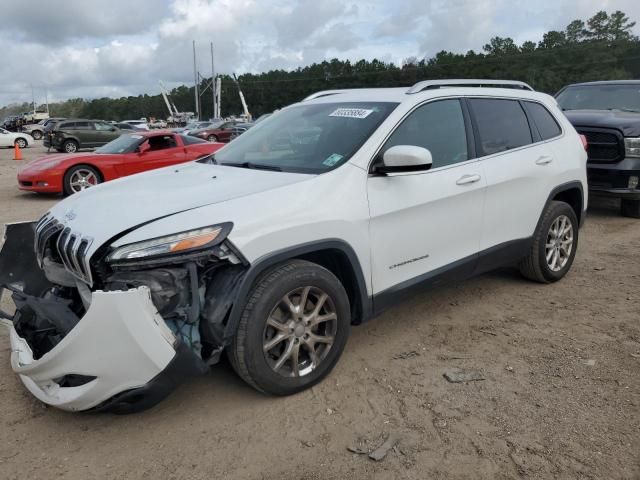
[
  {"x": 265, "y": 262},
  {"x": 575, "y": 184}
]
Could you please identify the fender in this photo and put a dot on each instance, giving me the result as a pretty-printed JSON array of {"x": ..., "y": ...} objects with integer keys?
[
  {"x": 563, "y": 188},
  {"x": 267, "y": 261}
]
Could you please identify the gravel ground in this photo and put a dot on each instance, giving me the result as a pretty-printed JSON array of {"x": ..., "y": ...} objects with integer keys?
[{"x": 560, "y": 399}]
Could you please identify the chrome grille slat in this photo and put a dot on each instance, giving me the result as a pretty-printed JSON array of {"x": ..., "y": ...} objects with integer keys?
[
  {"x": 61, "y": 243},
  {"x": 83, "y": 245},
  {"x": 71, "y": 246}
]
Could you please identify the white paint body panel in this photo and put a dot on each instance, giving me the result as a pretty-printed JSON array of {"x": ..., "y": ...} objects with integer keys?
[
  {"x": 121, "y": 340},
  {"x": 423, "y": 218}
]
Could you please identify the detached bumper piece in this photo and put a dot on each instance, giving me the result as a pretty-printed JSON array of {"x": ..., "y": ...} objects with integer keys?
[
  {"x": 120, "y": 345},
  {"x": 118, "y": 355}
]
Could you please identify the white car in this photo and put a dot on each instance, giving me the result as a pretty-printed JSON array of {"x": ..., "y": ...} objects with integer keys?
[
  {"x": 316, "y": 219},
  {"x": 141, "y": 124},
  {"x": 11, "y": 139}
]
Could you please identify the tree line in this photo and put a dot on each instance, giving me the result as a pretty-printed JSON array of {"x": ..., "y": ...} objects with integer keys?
[{"x": 600, "y": 48}]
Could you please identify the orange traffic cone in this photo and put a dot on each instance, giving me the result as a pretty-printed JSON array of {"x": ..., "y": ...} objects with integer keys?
[{"x": 18, "y": 153}]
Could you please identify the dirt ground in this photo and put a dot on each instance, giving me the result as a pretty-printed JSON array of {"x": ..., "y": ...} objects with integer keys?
[{"x": 561, "y": 398}]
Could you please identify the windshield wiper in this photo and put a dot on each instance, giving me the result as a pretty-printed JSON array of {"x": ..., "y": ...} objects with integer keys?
[{"x": 253, "y": 166}]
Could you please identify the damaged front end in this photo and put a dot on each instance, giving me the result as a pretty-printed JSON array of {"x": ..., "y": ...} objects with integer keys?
[{"x": 111, "y": 330}]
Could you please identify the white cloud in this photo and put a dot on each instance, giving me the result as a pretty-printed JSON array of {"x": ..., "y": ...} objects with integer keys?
[{"x": 78, "y": 48}]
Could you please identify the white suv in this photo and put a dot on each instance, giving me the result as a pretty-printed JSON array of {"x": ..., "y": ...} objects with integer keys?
[{"x": 316, "y": 219}]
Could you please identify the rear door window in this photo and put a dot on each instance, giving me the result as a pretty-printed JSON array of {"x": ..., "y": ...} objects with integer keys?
[
  {"x": 83, "y": 126},
  {"x": 502, "y": 124},
  {"x": 543, "y": 120},
  {"x": 102, "y": 126}
]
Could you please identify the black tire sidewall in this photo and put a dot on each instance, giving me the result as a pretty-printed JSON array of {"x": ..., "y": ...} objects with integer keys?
[
  {"x": 259, "y": 369},
  {"x": 557, "y": 209},
  {"x": 66, "y": 181},
  {"x": 69, "y": 142}
]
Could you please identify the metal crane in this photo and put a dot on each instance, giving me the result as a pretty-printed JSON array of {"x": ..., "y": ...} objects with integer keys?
[
  {"x": 174, "y": 115},
  {"x": 244, "y": 103}
]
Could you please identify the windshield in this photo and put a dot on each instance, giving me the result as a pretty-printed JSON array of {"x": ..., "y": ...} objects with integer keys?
[
  {"x": 311, "y": 138},
  {"x": 601, "y": 97},
  {"x": 122, "y": 144}
]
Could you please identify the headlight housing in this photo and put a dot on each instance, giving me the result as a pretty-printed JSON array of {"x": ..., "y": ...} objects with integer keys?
[
  {"x": 632, "y": 147},
  {"x": 178, "y": 243}
]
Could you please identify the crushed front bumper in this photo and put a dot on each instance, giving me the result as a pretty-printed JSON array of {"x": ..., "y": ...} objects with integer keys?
[{"x": 121, "y": 348}]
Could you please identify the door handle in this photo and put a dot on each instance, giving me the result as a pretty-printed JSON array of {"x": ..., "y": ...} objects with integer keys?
[
  {"x": 467, "y": 179},
  {"x": 544, "y": 160}
]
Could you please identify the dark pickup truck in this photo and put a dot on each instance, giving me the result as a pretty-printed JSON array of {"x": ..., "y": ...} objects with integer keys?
[{"x": 607, "y": 113}]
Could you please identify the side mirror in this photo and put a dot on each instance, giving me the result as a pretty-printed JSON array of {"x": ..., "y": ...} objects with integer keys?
[{"x": 405, "y": 158}]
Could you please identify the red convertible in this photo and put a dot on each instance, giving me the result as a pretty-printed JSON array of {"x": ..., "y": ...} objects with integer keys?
[{"x": 126, "y": 155}]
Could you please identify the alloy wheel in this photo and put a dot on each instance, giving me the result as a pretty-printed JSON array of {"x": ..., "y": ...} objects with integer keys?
[
  {"x": 559, "y": 243},
  {"x": 300, "y": 332},
  {"x": 82, "y": 179}
]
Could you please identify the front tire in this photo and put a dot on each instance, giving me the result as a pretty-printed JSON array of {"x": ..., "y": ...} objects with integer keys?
[
  {"x": 554, "y": 246},
  {"x": 79, "y": 178},
  {"x": 293, "y": 329},
  {"x": 630, "y": 208},
  {"x": 21, "y": 142},
  {"x": 70, "y": 146}
]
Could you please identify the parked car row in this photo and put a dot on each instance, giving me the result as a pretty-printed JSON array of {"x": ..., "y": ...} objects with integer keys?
[{"x": 16, "y": 123}]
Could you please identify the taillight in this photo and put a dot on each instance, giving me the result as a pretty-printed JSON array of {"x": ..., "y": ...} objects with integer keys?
[{"x": 584, "y": 141}]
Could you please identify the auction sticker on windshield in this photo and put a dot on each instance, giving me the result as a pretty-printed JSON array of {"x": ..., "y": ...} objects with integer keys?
[
  {"x": 332, "y": 159},
  {"x": 351, "y": 113}
]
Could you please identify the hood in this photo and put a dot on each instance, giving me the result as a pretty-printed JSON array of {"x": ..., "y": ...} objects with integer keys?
[
  {"x": 107, "y": 210},
  {"x": 626, "y": 122},
  {"x": 52, "y": 161}
]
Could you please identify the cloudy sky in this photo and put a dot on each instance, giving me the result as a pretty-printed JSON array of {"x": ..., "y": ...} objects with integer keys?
[{"x": 82, "y": 48}]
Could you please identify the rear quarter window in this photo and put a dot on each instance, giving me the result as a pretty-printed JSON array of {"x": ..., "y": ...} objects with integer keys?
[
  {"x": 502, "y": 124},
  {"x": 545, "y": 123}
]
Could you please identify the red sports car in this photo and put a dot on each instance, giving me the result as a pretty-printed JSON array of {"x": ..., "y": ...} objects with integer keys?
[{"x": 126, "y": 155}]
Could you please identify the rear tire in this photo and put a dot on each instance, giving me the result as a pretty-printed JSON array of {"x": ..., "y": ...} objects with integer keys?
[
  {"x": 212, "y": 138},
  {"x": 630, "y": 208},
  {"x": 282, "y": 348},
  {"x": 554, "y": 246},
  {"x": 21, "y": 142},
  {"x": 36, "y": 134}
]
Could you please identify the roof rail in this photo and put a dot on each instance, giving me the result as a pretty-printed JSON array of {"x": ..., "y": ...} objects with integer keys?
[
  {"x": 326, "y": 93},
  {"x": 435, "y": 84}
]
